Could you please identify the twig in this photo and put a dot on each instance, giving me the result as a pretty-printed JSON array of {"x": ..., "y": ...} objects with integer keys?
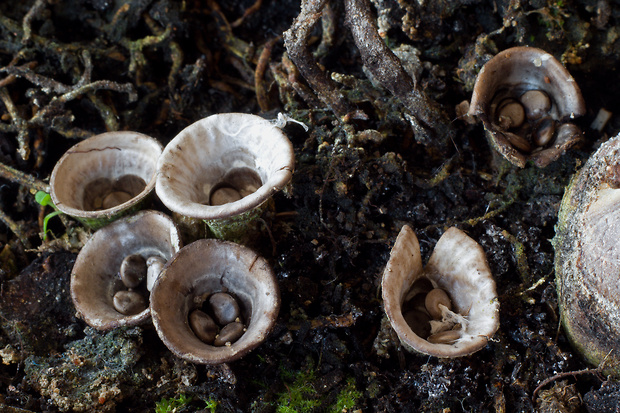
[
  {"x": 596, "y": 371},
  {"x": 18, "y": 122},
  {"x": 34, "y": 11},
  {"x": 249, "y": 11},
  {"x": 232, "y": 43},
  {"x": 137, "y": 59},
  {"x": 429, "y": 122},
  {"x": 176, "y": 54},
  {"x": 45, "y": 83},
  {"x": 296, "y": 42},
  {"x": 57, "y": 102},
  {"x": 22, "y": 178},
  {"x": 292, "y": 77}
]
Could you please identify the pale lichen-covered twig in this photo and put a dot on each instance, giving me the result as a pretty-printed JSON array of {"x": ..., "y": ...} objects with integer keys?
[
  {"x": 36, "y": 8},
  {"x": 18, "y": 124},
  {"x": 295, "y": 40},
  {"x": 22, "y": 178},
  {"x": 429, "y": 122}
]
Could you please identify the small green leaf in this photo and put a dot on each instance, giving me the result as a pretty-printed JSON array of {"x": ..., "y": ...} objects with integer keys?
[{"x": 43, "y": 198}]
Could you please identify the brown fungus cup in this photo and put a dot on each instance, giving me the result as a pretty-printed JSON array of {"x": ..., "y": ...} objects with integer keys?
[
  {"x": 456, "y": 281},
  {"x": 100, "y": 294},
  {"x": 222, "y": 170},
  {"x": 105, "y": 177},
  {"x": 198, "y": 271},
  {"x": 526, "y": 100}
]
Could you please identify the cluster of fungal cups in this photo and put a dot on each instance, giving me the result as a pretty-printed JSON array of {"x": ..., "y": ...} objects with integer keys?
[
  {"x": 220, "y": 171},
  {"x": 217, "y": 320}
]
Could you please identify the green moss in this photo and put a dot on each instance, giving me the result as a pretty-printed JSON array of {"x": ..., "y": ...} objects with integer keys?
[
  {"x": 172, "y": 404},
  {"x": 211, "y": 405},
  {"x": 347, "y": 398},
  {"x": 299, "y": 395}
]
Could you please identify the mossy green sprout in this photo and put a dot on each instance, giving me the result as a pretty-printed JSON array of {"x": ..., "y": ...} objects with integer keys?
[
  {"x": 44, "y": 199},
  {"x": 299, "y": 395},
  {"x": 171, "y": 405},
  {"x": 347, "y": 398},
  {"x": 211, "y": 405}
]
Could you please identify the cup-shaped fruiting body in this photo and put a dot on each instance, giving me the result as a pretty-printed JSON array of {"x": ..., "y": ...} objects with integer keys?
[
  {"x": 197, "y": 273},
  {"x": 526, "y": 100},
  {"x": 587, "y": 258},
  {"x": 456, "y": 281},
  {"x": 105, "y": 176},
  {"x": 222, "y": 169},
  {"x": 103, "y": 287}
]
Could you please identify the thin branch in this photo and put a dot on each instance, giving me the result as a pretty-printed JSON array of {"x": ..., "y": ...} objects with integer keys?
[
  {"x": 22, "y": 178},
  {"x": 296, "y": 42},
  {"x": 34, "y": 11},
  {"x": 596, "y": 371},
  {"x": 428, "y": 120}
]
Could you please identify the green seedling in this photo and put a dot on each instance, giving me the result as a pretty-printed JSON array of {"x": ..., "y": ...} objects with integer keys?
[
  {"x": 347, "y": 398},
  {"x": 44, "y": 199},
  {"x": 173, "y": 404},
  {"x": 211, "y": 405}
]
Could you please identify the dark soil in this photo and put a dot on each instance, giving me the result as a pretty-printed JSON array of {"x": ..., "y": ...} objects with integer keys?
[{"x": 354, "y": 186}]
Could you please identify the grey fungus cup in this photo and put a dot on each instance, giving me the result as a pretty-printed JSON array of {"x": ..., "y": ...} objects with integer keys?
[
  {"x": 467, "y": 304},
  {"x": 200, "y": 270},
  {"x": 222, "y": 170},
  {"x": 97, "y": 286},
  {"x": 105, "y": 177},
  {"x": 527, "y": 100}
]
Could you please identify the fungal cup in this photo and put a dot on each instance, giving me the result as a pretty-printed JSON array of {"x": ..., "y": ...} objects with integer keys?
[
  {"x": 105, "y": 177},
  {"x": 527, "y": 100},
  {"x": 201, "y": 270},
  {"x": 222, "y": 170},
  {"x": 458, "y": 311},
  {"x": 97, "y": 284},
  {"x": 587, "y": 258}
]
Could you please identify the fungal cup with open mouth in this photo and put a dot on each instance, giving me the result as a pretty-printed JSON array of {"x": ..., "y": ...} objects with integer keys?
[
  {"x": 115, "y": 271},
  {"x": 449, "y": 308},
  {"x": 222, "y": 170},
  {"x": 214, "y": 301},
  {"x": 527, "y": 102},
  {"x": 105, "y": 177}
]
